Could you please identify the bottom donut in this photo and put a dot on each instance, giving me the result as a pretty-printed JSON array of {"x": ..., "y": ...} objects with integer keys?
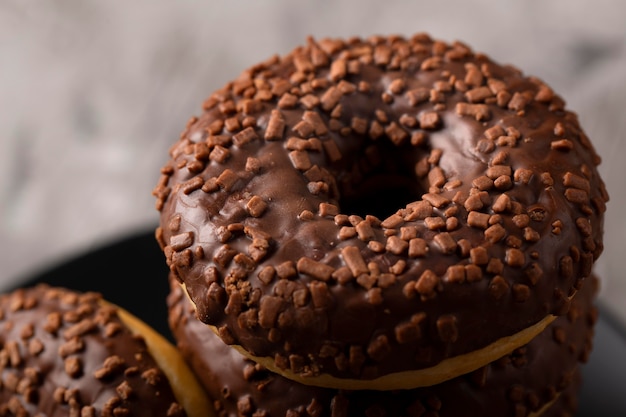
[
  {"x": 532, "y": 380},
  {"x": 566, "y": 404},
  {"x": 64, "y": 353}
]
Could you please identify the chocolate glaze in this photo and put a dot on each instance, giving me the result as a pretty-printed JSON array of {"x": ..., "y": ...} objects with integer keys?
[
  {"x": 65, "y": 353},
  {"x": 499, "y": 222},
  {"x": 524, "y": 381},
  {"x": 567, "y": 403}
]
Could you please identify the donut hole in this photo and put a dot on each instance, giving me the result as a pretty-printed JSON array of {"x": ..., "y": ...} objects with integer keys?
[
  {"x": 382, "y": 181},
  {"x": 380, "y": 196}
]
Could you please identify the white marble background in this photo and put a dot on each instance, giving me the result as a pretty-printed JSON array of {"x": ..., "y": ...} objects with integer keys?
[{"x": 92, "y": 93}]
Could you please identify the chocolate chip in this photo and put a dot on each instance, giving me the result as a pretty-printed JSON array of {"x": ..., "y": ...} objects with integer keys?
[
  {"x": 498, "y": 287},
  {"x": 72, "y": 346},
  {"x": 356, "y": 359},
  {"x": 27, "y": 331},
  {"x": 455, "y": 274},
  {"x": 367, "y": 281},
  {"x": 533, "y": 273},
  {"x": 269, "y": 310},
  {"x": 544, "y": 94},
  {"x": 397, "y": 86},
  {"x": 447, "y": 328},
  {"x": 477, "y": 219},
  {"x": 330, "y": 98},
  {"x": 576, "y": 181},
  {"x": 338, "y": 69},
  {"x": 518, "y": 102},
  {"x": 275, "y": 126},
  {"x": 483, "y": 183},
  {"x": 300, "y": 160},
  {"x": 256, "y": 206},
  {"x": 473, "y": 76},
  {"x": 514, "y": 258},
  {"x": 431, "y": 63},
  {"x": 427, "y": 283},
  {"x": 502, "y": 204},
  {"x": 315, "y": 269},
  {"x": 445, "y": 242},
  {"x": 434, "y": 223},
  {"x": 332, "y": 150},
  {"x": 473, "y": 273},
  {"x": 151, "y": 376},
  {"x": 418, "y": 211},
  {"x": 479, "y": 111},
  {"x": 392, "y": 221},
  {"x": 522, "y": 175},
  {"x": 227, "y": 179},
  {"x": 35, "y": 346},
  {"x": 584, "y": 226},
  {"x": 353, "y": 259},
  {"x": 374, "y": 295},
  {"x": 473, "y": 203},
  {"x": 479, "y": 255},
  {"x": 112, "y": 366},
  {"x": 396, "y": 133},
  {"x": 379, "y": 348},
  {"x": 81, "y": 328},
  {"x": 245, "y": 136},
  {"x": 436, "y": 200},
  {"x": 181, "y": 241},
  {"x": 577, "y": 196},
  {"x": 436, "y": 177},
  {"x": 562, "y": 145},
  {"x": 495, "y": 233},
  {"x": 429, "y": 120},
  {"x": 566, "y": 267},
  {"x": 396, "y": 245},
  {"x": 478, "y": 94},
  {"x": 417, "y": 96},
  {"x": 73, "y": 367},
  {"x": 521, "y": 292},
  {"x": 418, "y": 248}
]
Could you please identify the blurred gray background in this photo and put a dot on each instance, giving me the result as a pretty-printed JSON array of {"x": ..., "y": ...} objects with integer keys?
[{"x": 92, "y": 94}]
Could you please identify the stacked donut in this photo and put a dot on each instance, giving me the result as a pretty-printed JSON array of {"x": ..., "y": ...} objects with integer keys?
[
  {"x": 540, "y": 378},
  {"x": 383, "y": 226},
  {"x": 66, "y": 353}
]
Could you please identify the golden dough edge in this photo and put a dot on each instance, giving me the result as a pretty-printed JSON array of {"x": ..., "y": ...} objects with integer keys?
[{"x": 443, "y": 371}]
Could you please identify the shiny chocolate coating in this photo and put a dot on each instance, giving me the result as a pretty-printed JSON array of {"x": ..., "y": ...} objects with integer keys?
[
  {"x": 522, "y": 382},
  {"x": 566, "y": 404},
  {"x": 363, "y": 207},
  {"x": 67, "y": 354}
]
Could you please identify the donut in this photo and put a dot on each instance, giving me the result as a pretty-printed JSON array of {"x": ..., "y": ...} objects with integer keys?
[
  {"x": 381, "y": 213},
  {"x": 528, "y": 381},
  {"x": 65, "y": 353},
  {"x": 566, "y": 404}
]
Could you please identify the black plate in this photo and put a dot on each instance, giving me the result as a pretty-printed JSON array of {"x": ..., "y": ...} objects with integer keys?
[{"x": 132, "y": 270}]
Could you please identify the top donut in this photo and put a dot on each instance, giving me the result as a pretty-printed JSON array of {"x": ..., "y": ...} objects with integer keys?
[{"x": 361, "y": 213}]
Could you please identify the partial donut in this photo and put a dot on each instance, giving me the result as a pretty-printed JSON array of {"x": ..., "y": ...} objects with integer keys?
[
  {"x": 381, "y": 213},
  {"x": 65, "y": 353},
  {"x": 528, "y": 381}
]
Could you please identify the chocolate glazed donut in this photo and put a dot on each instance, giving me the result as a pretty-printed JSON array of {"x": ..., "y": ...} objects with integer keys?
[
  {"x": 526, "y": 382},
  {"x": 64, "y": 353},
  {"x": 382, "y": 213}
]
